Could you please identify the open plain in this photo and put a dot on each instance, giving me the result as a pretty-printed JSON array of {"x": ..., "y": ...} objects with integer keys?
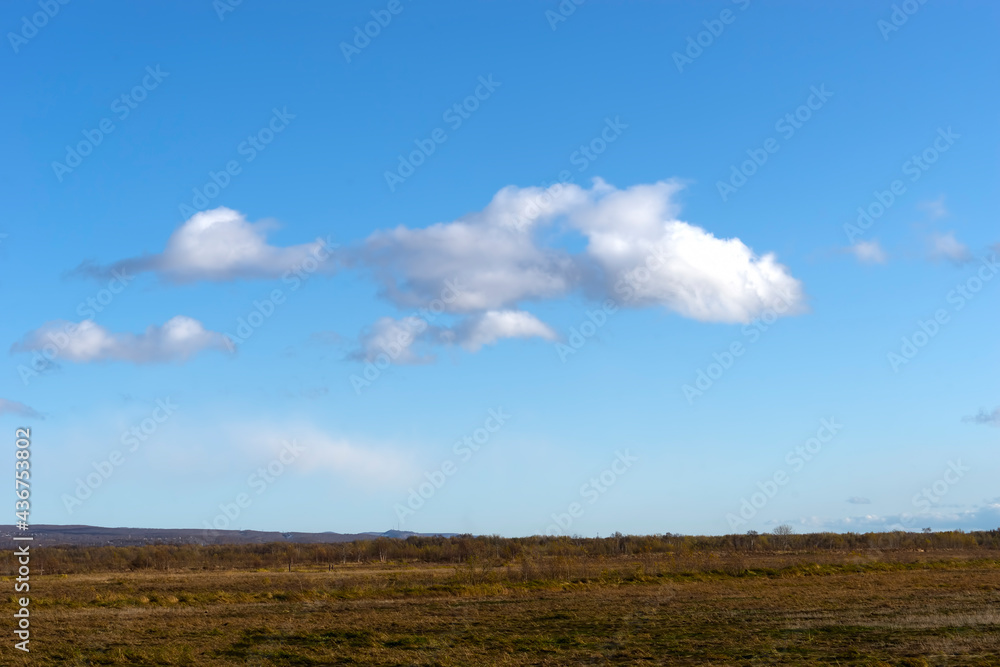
[{"x": 518, "y": 602}]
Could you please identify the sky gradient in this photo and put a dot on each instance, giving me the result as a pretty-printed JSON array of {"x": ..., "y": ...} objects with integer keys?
[{"x": 511, "y": 268}]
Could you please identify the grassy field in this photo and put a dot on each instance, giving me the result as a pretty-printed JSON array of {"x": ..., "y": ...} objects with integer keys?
[{"x": 909, "y": 608}]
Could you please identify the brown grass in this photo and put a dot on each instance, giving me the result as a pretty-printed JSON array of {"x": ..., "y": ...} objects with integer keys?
[{"x": 699, "y": 609}]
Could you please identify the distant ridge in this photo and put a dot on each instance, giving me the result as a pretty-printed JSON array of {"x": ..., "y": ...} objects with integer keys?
[{"x": 90, "y": 536}]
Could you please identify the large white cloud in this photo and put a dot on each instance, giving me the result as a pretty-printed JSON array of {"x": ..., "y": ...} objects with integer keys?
[
  {"x": 637, "y": 252},
  {"x": 471, "y": 265},
  {"x": 526, "y": 245},
  {"x": 220, "y": 245},
  {"x": 176, "y": 340},
  {"x": 649, "y": 258}
]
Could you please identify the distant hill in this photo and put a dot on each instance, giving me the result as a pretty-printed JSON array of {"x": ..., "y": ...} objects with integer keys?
[{"x": 51, "y": 535}]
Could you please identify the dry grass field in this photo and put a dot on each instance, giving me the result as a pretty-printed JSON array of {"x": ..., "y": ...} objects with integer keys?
[{"x": 931, "y": 607}]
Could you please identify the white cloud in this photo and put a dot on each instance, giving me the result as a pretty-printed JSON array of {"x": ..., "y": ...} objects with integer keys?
[
  {"x": 637, "y": 252},
  {"x": 868, "y": 252},
  {"x": 493, "y": 325},
  {"x": 649, "y": 258},
  {"x": 935, "y": 208},
  {"x": 219, "y": 245},
  {"x": 233, "y": 446},
  {"x": 176, "y": 340},
  {"x": 478, "y": 262},
  {"x": 9, "y": 407},
  {"x": 947, "y": 247},
  {"x": 396, "y": 339},
  {"x": 487, "y": 263}
]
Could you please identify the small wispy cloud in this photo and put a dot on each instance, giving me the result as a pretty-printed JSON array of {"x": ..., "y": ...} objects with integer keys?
[
  {"x": 868, "y": 252},
  {"x": 859, "y": 500},
  {"x": 326, "y": 454},
  {"x": 494, "y": 325},
  {"x": 946, "y": 247},
  {"x": 399, "y": 339},
  {"x": 9, "y": 407},
  {"x": 984, "y": 417},
  {"x": 934, "y": 208},
  {"x": 176, "y": 340}
]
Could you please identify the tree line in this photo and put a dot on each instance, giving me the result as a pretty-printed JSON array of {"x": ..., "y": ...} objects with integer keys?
[{"x": 461, "y": 549}]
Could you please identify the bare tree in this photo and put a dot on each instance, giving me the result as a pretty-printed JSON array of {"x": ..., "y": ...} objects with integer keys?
[{"x": 782, "y": 532}]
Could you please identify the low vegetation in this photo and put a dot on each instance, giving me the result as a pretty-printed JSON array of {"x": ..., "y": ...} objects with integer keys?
[{"x": 875, "y": 599}]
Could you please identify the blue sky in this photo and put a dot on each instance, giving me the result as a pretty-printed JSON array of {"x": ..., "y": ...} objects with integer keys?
[{"x": 629, "y": 231}]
